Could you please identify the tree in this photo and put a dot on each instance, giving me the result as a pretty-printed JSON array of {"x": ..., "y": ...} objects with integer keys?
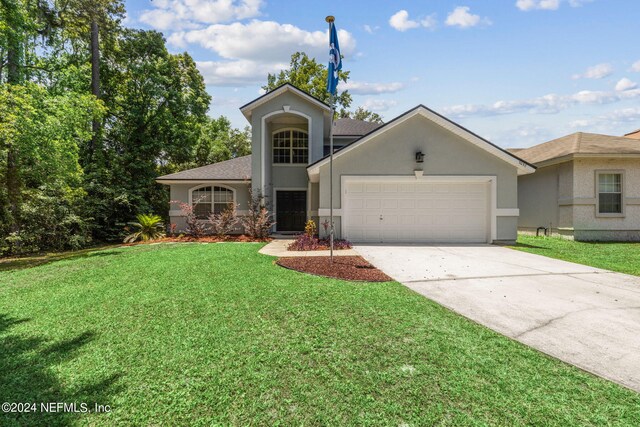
[
  {"x": 310, "y": 76},
  {"x": 362, "y": 114},
  {"x": 156, "y": 105},
  {"x": 218, "y": 141},
  {"x": 307, "y": 74}
]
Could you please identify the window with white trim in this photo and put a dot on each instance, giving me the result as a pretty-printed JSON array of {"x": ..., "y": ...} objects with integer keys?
[
  {"x": 210, "y": 199},
  {"x": 290, "y": 146},
  {"x": 609, "y": 193}
]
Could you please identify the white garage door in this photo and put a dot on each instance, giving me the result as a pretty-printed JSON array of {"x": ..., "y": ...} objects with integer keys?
[{"x": 417, "y": 211}]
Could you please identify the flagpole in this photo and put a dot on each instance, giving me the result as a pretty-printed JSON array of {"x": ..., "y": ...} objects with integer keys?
[{"x": 330, "y": 19}]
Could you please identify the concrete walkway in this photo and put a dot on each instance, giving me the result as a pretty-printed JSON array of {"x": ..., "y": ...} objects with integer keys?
[
  {"x": 278, "y": 247},
  {"x": 583, "y": 315}
]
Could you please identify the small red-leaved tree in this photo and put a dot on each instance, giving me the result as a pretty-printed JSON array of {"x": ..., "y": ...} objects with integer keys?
[
  {"x": 195, "y": 227},
  {"x": 224, "y": 223},
  {"x": 258, "y": 221}
]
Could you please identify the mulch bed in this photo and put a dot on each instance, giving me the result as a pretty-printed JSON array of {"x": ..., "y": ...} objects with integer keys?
[
  {"x": 204, "y": 239},
  {"x": 344, "y": 267}
]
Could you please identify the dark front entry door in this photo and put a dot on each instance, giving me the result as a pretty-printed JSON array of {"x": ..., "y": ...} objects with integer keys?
[{"x": 291, "y": 210}]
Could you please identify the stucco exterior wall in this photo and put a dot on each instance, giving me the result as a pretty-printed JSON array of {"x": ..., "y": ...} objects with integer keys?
[
  {"x": 587, "y": 225},
  {"x": 180, "y": 193},
  {"x": 576, "y": 199},
  {"x": 393, "y": 153},
  {"x": 274, "y": 176},
  {"x": 543, "y": 197}
]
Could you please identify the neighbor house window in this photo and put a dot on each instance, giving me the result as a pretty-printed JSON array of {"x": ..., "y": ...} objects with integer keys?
[
  {"x": 609, "y": 193},
  {"x": 214, "y": 199},
  {"x": 290, "y": 146}
]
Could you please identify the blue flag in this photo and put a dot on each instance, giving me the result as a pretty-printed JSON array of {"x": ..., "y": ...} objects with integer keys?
[{"x": 335, "y": 61}]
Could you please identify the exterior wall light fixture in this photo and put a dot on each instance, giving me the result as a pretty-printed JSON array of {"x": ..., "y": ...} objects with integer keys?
[{"x": 419, "y": 157}]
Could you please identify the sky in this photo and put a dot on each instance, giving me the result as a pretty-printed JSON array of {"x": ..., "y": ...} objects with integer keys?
[{"x": 517, "y": 72}]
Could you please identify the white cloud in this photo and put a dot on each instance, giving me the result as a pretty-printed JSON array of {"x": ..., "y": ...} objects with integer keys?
[
  {"x": 527, "y": 5},
  {"x": 636, "y": 67},
  {"x": 625, "y": 84},
  {"x": 547, "y": 104},
  {"x": 606, "y": 122},
  {"x": 429, "y": 22},
  {"x": 378, "y": 105},
  {"x": 578, "y": 3},
  {"x": 401, "y": 22},
  {"x": 250, "y": 51},
  {"x": 237, "y": 73},
  {"x": 362, "y": 88},
  {"x": 186, "y": 14},
  {"x": 262, "y": 41},
  {"x": 461, "y": 17},
  {"x": 370, "y": 29},
  {"x": 595, "y": 72},
  {"x": 522, "y": 136}
]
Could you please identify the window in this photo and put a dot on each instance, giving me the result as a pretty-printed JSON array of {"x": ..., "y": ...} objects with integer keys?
[
  {"x": 609, "y": 193},
  {"x": 290, "y": 146},
  {"x": 210, "y": 199}
]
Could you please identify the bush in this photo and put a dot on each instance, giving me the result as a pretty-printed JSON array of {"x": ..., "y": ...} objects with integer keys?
[
  {"x": 304, "y": 242},
  {"x": 257, "y": 224},
  {"x": 310, "y": 228},
  {"x": 195, "y": 227},
  {"x": 149, "y": 227},
  {"x": 48, "y": 221},
  {"x": 224, "y": 223}
]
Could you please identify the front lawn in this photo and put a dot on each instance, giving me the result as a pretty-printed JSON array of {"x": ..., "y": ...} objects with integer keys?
[
  {"x": 216, "y": 334},
  {"x": 621, "y": 257}
]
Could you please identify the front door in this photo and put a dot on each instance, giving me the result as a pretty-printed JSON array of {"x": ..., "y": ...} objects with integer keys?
[{"x": 291, "y": 210}]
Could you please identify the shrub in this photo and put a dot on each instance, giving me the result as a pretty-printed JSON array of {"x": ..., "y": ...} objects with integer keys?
[
  {"x": 195, "y": 227},
  {"x": 304, "y": 242},
  {"x": 224, "y": 223},
  {"x": 258, "y": 221},
  {"x": 310, "y": 228},
  {"x": 149, "y": 227},
  {"x": 338, "y": 244},
  {"x": 49, "y": 221}
]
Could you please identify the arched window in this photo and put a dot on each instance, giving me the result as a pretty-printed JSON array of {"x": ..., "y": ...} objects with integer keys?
[
  {"x": 210, "y": 199},
  {"x": 290, "y": 146}
]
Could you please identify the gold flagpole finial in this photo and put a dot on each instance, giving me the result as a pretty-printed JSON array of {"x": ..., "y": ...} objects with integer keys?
[{"x": 329, "y": 19}]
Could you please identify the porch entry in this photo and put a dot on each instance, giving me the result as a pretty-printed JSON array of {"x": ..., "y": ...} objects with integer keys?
[{"x": 291, "y": 210}]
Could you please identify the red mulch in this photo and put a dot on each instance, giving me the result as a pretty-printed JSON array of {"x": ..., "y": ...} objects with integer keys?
[{"x": 344, "y": 267}]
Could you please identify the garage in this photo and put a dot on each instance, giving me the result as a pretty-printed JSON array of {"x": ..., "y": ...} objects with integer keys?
[{"x": 407, "y": 209}]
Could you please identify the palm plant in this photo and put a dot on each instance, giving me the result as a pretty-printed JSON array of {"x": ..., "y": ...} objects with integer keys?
[{"x": 149, "y": 227}]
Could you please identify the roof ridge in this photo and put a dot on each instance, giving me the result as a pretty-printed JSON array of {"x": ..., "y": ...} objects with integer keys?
[{"x": 578, "y": 142}]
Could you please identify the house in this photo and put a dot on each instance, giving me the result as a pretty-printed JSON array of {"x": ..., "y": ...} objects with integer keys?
[
  {"x": 418, "y": 178},
  {"x": 634, "y": 135},
  {"x": 586, "y": 186}
]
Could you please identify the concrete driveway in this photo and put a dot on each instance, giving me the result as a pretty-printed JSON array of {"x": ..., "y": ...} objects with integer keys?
[{"x": 585, "y": 316}]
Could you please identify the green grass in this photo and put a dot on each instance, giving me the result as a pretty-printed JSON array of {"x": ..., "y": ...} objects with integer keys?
[
  {"x": 193, "y": 334},
  {"x": 621, "y": 257}
]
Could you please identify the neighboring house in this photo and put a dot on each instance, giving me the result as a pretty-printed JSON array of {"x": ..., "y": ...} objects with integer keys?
[
  {"x": 418, "y": 178},
  {"x": 635, "y": 134},
  {"x": 586, "y": 186}
]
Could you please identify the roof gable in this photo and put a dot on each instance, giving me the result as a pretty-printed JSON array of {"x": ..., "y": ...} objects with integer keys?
[
  {"x": 421, "y": 110},
  {"x": 287, "y": 87}
]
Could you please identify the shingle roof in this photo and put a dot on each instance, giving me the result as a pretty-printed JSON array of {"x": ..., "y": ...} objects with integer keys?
[
  {"x": 237, "y": 169},
  {"x": 635, "y": 134},
  {"x": 580, "y": 143},
  {"x": 353, "y": 127}
]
